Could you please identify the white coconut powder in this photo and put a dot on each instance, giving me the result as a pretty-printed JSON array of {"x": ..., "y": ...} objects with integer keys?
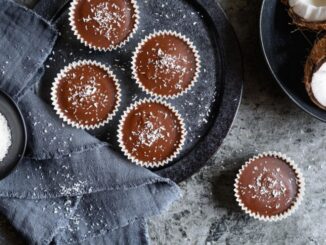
[{"x": 5, "y": 137}]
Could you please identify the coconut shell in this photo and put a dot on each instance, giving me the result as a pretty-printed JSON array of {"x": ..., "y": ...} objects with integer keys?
[
  {"x": 316, "y": 58},
  {"x": 285, "y": 2},
  {"x": 302, "y": 23}
]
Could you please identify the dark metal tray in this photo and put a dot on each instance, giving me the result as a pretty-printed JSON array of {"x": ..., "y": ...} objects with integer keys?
[{"x": 208, "y": 109}]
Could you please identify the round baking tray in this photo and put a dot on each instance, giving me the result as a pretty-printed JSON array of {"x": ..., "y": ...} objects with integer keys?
[
  {"x": 208, "y": 109},
  {"x": 286, "y": 48}
]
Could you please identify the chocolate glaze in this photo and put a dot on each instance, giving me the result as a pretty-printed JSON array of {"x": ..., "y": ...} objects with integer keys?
[
  {"x": 268, "y": 186},
  {"x": 166, "y": 65},
  {"x": 87, "y": 95},
  {"x": 105, "y": 23},
  {"x": 151, "y": 132}
]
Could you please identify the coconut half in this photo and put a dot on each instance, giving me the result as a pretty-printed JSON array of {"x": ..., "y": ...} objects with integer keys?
[
  {"x": 308, "y": 14},
  {"x": 315, "y": 73}
]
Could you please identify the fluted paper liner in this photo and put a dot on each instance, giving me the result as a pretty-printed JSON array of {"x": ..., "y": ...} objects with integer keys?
[
  {"x": 163, "y": 33},
  {"x": 151, "y": 164},
  {"x": 62, "y": 74},
  {"x": 300, "y": 193}
]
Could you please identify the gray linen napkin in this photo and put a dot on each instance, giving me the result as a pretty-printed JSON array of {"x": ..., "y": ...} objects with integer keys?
[{"x": 70, "y": 187}]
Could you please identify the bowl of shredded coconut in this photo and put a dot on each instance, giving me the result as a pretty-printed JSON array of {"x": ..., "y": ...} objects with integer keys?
[{"x": 13, "y": 137}]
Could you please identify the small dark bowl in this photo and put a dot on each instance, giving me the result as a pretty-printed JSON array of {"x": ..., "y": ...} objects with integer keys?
[
  {"x": 11, "y": 112},
  {"x": 286, "y": 49}
]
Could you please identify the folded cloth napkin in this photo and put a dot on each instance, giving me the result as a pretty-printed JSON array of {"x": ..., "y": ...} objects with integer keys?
[{"x": 70, "y": 187}]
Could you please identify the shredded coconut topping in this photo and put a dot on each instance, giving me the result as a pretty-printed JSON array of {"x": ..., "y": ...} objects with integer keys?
[
  {"x": 169, "y": 63},
  {"x": 269, "y": 187},
  {"x": 148, "y": 135},
  {"x": 105, "y": 18},
  {"x": 169, "y": 68},
  {"x": 153, "y": 133},
  {"x": 85, "y": 94}
]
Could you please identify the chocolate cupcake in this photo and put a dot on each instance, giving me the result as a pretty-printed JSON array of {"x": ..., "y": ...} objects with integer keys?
[
  {"x": 104, "y": 25},
  {"x": 269, "y": 187},
  {"x": 151, "y": 133},
  {"x": 86, "y": 94},
  {"x": 166, "y": 64}
]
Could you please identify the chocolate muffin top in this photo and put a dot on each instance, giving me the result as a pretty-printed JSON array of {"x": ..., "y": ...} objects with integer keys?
[
  {"x": 268, "y": 186},
  {"x": 151, "y": 132},
  {"x": 166, "y": 64},
  {"x": 86, "y": 94},
  {"x": 104, "y": 24}
]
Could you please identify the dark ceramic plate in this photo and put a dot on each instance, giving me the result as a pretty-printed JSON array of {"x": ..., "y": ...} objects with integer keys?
[
  {"x": 210, "y": 107},
  {"x": 11, "y": 112},
  {"x": 286, "y": 49}
]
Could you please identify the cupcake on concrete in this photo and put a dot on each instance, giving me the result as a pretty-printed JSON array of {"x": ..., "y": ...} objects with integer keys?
[
  {"x": 307, "y": 14},
  {"x": 86, "y": 94},
  {"x": 269, "y": 187},
  {"x": 151, "y": 133},
  {"x": 166, "y": 64},
  {"x": 104, "y": 25}
]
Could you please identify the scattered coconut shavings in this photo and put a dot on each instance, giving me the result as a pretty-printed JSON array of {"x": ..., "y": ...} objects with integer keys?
[
  {"x": 42, "y": 132},
  {"x": 170, "y": 69},
  {"x": 105, "y": 18},
  {"x": 150, "y": 132},
  {"x": 5, "y": 141},
  {"x": 148, "y": 135},
  {"x": 75, "y": 189},
  {"x": 169, "y": 64}
]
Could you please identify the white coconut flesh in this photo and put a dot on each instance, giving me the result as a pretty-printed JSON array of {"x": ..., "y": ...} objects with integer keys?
[
  {"x": 318, "y": 84},
  {"x": 310, "y": 10}
]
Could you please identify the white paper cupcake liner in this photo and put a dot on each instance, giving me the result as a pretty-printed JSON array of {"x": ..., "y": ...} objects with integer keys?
[
  {"x": 151, "y": 164},
  {"x": 112, "y": 47},
  {"x": 56, "y": 83},
  {"x": 162, "y": 33},
  {"x": 299, "y": 197}
]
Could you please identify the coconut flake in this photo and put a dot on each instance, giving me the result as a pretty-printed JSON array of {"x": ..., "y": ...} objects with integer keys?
[
  {"x": 5, "y": 141},
  {"x": 105, "y": 18},
  {"x": 318, "y": 84},
  {"x": 310, "y": 10}
]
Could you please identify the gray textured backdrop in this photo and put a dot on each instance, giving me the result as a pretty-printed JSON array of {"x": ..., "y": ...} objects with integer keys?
[{"x": 267, "y": 120}]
